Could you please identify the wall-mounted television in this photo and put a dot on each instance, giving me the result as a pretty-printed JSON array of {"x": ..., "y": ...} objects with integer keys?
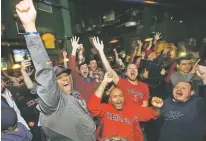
[{"x": 20, "y": 55}]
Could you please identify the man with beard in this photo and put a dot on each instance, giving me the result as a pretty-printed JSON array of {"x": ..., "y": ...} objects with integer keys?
[
  {"x": 63, "y": 114},
  {"x": 184, "y": 115},
  {"x": 83, "y": 83},
  {"x": 134, "y": 90},
  {"x": 116, "y": 118}
]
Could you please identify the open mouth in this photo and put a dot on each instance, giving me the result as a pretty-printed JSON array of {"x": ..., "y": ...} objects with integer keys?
[
  {"x": 67, "y": 86},
  {"x": 179, "y": 94}
]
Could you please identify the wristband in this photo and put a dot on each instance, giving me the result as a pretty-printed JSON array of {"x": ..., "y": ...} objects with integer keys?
[{"x": 31, "y": 33}]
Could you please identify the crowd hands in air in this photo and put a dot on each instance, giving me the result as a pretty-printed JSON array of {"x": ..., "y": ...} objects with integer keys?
[{"x": 77, "y": 97}]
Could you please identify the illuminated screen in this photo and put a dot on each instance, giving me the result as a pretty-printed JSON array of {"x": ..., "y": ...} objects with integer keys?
[{"x": 21, "y": 54}]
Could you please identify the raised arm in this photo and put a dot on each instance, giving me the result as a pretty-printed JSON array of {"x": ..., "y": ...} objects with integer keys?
[
  {"x": 72, "y": 58},
  {"x": 47, "y": 88},
  {"x": 94, "y": 105},
  {"x": 100, "y": 47},
  {"x": 65, "y": 58}
]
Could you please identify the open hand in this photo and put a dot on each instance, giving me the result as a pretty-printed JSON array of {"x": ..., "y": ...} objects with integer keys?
[
  {"x": 27, "y": 14},
  {"x": 157, "y": 102},
  {"x": 75, "y": 43},
  {"x": 98, "y": 45},
  {"x": 157, "y": 36}
]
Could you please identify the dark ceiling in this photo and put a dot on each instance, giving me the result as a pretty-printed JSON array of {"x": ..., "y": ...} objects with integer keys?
[{"x": 90, "y": 13}]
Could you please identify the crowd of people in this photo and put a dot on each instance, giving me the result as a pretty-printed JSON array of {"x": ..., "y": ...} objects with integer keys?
[{"x": 155, "y": 95}]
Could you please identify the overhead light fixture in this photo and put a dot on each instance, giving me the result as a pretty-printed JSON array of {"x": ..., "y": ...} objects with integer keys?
[
  {"x": 113, "y": 41},
  {"x": 130, "y": 24},
  {"x": 180, "y": 21},
  {"x": 150, "y": 2},
  {"x": 182, "y": 54},
  {"x": 16, "y": 66}
]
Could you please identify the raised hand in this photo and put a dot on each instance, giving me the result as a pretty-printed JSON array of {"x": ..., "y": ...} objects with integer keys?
[
  {"x": 201, "y": 72},
  {"x": 108, "y": 77},
  {"x": 27, "y": 14},
  {"x": 98, "y": 45},
  {"x": 25, "y": 64},
  {"x": 64, "y": 54},
  {"x": 75, "y": 43},
  {"x": 140, "y": 43},
  {"x": 157, "y": 36},
  {"x": 163, "y": 71},
  {"x": 195, "y": 67},
  {"x": 146, "y": 74},
  {"x": 157, "y": 102}
]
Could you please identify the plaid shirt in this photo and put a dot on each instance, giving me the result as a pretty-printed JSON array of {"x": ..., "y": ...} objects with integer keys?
[{"x": 98, "y": 75}]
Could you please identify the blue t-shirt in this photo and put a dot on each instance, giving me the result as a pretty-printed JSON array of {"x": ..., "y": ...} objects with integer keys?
[{"x": 184, "y": 121}]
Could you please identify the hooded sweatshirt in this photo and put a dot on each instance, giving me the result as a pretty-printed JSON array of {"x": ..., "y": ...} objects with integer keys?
[
  {"x": 120, "y": 123},
  {"x": 63, "y": 117}
]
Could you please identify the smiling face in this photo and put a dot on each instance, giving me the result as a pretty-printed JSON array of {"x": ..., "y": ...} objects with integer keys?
[
  {"x": 132, "y": 72},
  {"x": 182, "y": 91},
  {"x": 84, "y": 70},
  {"x": 116, "y": 98},
  {"x": 65, "y": 83}
]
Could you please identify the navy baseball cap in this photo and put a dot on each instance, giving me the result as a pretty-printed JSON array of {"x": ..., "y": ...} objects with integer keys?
[
  {"x": 8, "y": 117},
  {"x": 58, "y": 70}
]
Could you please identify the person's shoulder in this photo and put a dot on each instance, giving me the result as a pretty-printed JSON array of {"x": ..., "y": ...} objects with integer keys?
[{"x": 142, "y": 84}]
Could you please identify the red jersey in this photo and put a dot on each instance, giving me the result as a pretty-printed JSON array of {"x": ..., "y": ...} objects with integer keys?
[
  {"x": 124, "y": 123},
  {"x": 133, "y": 93}
]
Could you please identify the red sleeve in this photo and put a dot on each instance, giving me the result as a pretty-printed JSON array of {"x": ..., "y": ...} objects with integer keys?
[
  {"x": 146, "y": 93},
  {"x": 144, "y": 113},
  {"x": 95, "y": 107},
  {"x": 120, "y": 83},
  {"x": 72, "y": 62}
]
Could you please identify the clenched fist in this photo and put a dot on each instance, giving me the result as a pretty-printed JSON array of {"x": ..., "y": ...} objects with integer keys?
[
  {"x": 157, "y": 102},
  {"x": 27, "y": 14}
]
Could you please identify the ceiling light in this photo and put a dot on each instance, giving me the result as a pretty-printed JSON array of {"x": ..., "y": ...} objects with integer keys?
[
  {"x": 113, "y": 41},
  {"x": 130, "y": 24},
  {"x": 150, "y": 2},
  {"x": 180, "y": 21},
  {"x": 16, "y": 66}
]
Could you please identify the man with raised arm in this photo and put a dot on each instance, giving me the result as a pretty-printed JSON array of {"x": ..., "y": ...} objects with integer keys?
[
  {"x": 83, "y": 83},
  {"x": 118, "y": 119},
  {"x": 63, "y": 115},
  {"x": 134, "y": 90}
]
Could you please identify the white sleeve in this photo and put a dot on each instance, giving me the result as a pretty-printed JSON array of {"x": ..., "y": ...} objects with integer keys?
[{"x": 20, "y": 118}]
